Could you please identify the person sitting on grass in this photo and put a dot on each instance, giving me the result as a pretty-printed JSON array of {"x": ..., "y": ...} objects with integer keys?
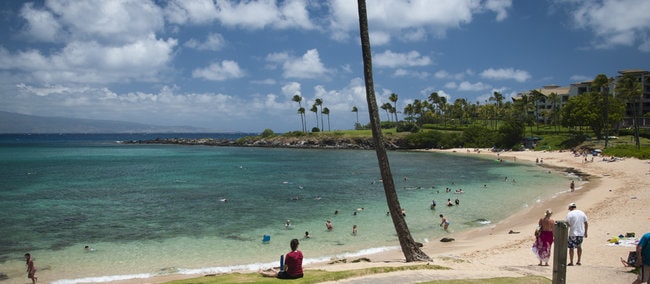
[{"x": 292, "y": 264}]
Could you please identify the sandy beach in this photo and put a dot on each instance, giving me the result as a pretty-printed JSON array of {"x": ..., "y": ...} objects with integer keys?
[{"x": 614, "y": 196}]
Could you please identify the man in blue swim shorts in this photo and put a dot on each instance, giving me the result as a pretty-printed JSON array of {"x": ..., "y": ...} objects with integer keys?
[{"x": 578, "y": 227}]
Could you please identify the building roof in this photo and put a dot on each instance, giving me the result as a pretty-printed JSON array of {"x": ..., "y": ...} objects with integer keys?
[{"x": 632, "y": 71}]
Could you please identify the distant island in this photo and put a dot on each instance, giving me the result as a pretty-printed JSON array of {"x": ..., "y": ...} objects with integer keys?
[{"x": 14, "y": 123}]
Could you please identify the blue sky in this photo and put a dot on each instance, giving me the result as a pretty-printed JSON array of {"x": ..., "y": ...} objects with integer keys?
[{"x": 235, "y": 65}]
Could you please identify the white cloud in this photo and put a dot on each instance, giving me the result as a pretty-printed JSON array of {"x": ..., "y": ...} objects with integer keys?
[
  {"x": 41, "y": 25},
  {"x": 614, "y": 22},
  {"x": 113, "y": 22},
  {"x": 260, "y": 14},
  {"x": 379, "y": 38},
  {"x": 451, "y": 85},
  {"x": 478, "y": 86},
  {"x": 506, "y": 74},
  {"x": 225, "y": 70},
  {"x": 444, "y": 74},
  {"x": 309, "y": 66},
  {"x": 435, "y": 16},
  {"x": 500, "y": 7},
  {"x": 408, "y": 73},
  {"x": 195, "y": 11},
  {"x": 90, "y": 62},
  {"x": 291, "y": 89},
  {"x": 213, "y": 42},
  {"x": 393, "y": 60}
]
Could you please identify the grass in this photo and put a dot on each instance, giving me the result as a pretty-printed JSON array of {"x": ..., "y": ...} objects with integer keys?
[{"x": 318, "y": 276}]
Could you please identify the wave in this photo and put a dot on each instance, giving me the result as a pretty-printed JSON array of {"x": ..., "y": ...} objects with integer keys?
[{"x": 218, "y": 269}]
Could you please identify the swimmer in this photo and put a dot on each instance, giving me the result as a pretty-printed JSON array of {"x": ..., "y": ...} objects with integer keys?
[
  {"x": 328, "y": 225},
  {"x": 88, "y": 249},
  {"x": 287, "y": 224},
  {"x": 354, "y": 230},
  {"x": 307, "y": 235},
  {"x": 449, "y": 202},
  {"x": 223, "y": 199}
]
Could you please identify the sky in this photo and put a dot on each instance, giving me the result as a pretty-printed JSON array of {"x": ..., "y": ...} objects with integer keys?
[{"x": 235, "y": 65}]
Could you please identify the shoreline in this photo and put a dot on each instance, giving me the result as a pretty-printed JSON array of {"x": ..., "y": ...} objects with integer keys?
[{"x": 492, "y": 252}]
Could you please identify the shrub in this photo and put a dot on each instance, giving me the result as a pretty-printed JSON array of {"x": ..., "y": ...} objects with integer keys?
[
  {"x": 267, "y": 133},
  {"x": 407, "y": 127}
]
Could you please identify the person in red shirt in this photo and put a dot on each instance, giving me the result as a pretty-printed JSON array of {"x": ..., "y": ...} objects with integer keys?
[{"x": 292, "y": 264}]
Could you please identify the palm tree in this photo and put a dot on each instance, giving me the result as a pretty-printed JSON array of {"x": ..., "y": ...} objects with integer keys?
[
  {"x": 600, "y": 84},
  {"x": 387, "y": 107},
  {"x": 326, "y": 111},
  {"x": 498, "y": 99},
  {"x": 555, "y": 112},
  {"x": 537, "y": 98},
  {"x": 298, "y": 99},
  {"x": 393, "y": 98},
  {"x": 301, "y": 112},
  {"x": 356, "y": 110},
  {"x": 319, "y": 102},
  {"x": 630, "y": 89},
  {"x": 314, "y": 109},
  {"x": 410, "y": 249}
]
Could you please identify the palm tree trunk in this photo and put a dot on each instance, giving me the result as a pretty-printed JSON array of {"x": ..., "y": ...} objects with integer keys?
[{"x": 410, "y": 249}]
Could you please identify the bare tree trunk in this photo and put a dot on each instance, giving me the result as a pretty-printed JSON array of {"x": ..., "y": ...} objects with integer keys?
[{"x": 410, "y": 249}]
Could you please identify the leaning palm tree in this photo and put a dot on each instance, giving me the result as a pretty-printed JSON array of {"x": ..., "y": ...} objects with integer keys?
[
  {"x": 409, "y": 247},
  {"x": 393, "y": 98},
  {"x": 326, "y": 111},
  {"x": 356, "y": 110},
  {"x": 314, "y": 109},
  {"x": 301, "y": 112},
  {"x": 319, "y": 102},
  {"x": 298, "y": 99},
  {"x": 387, "y": 107}
]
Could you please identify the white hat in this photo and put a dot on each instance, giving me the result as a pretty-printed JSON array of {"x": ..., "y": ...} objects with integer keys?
[{"x": 572, "y": 205}]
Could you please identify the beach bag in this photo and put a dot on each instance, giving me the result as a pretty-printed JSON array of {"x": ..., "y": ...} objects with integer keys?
[
  {"x": 631, "y": 258},
  {"x": 537, "y": 232}
]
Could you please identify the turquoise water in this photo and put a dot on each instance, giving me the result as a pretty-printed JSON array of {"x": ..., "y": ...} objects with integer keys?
[{"x": 151, "y": 210}]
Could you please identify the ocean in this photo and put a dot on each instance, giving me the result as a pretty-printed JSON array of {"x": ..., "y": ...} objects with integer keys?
[{"x": 150, "y": 210}]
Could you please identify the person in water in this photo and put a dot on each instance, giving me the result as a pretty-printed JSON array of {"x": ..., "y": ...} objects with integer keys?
[
  {"x": 444, "y": 222},
  {"x": 292, "y": 264}
]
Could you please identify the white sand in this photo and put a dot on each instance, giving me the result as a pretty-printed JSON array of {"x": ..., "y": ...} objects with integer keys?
[{"x": 616, "y": 200}]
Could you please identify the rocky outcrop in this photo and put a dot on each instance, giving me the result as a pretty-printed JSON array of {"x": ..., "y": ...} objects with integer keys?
[{"x": 319, "y": 142}]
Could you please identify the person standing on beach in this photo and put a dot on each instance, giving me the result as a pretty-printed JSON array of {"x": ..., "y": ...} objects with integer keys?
[
  {"x": 544, "y": 241},
  {"x": 292, "y": 264},
  {"x": 572, "y": 186},
  {"x": 643, "y": 259},
  {"x": 31, "y": 269},
  {"x": 578, "y": 227}
]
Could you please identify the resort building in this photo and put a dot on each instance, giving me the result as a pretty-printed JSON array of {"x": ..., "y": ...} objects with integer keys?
[{"x": 556, "y": 96}]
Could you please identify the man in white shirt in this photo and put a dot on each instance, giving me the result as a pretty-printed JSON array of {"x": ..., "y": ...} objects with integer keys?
[{"x": 578, "y": 227}]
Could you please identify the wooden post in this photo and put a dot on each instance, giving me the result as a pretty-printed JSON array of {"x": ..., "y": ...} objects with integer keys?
[{"x": 560, "y": 239}]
